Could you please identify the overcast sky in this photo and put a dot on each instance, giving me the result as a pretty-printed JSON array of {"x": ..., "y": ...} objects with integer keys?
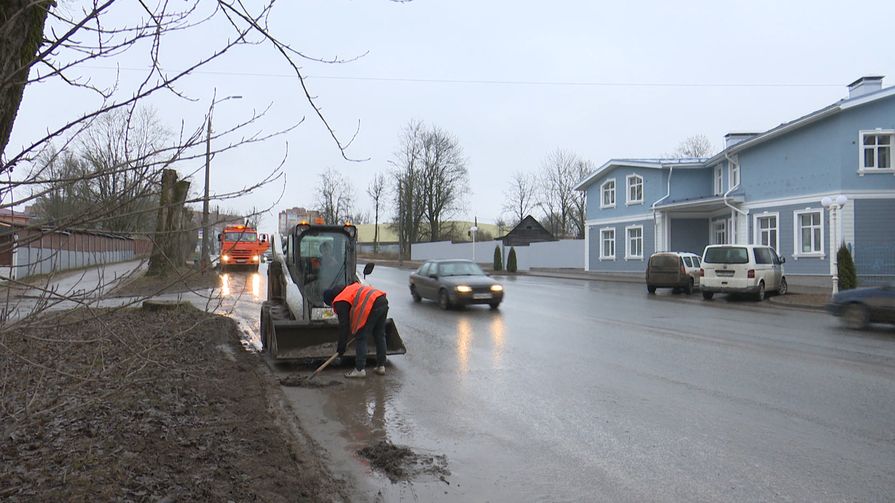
[{"x": 512, "y": 80}]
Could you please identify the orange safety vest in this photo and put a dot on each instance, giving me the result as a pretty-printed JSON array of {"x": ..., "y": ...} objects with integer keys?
[{"x": 361, "y": 299}]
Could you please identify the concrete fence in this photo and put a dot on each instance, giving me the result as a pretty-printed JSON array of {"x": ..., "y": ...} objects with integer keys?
[
  {"x": 567, "y": 253},
  {"x": 26, "y": 252}
]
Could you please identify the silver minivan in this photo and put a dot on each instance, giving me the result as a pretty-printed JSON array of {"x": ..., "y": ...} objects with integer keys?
[{"x": 753, "y": 269}]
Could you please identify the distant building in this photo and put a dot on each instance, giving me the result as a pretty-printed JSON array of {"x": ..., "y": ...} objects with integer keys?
[
  {"x": 527, "y": 232},
  {"x": 13, "y": 217},
  {"x": 289, "y": 218}
]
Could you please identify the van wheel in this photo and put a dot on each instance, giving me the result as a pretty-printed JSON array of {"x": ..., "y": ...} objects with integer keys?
[
  {"x": 650, "y": 289},
  {"x": 783, "y": 287},
  {"x": 689, "y": 288},
  {"x": 760, "y": 294},
  {"x": 708, "y": 295}
]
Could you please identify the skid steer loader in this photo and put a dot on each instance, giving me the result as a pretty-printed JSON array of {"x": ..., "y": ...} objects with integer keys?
[{"x": 295, "y": 323}]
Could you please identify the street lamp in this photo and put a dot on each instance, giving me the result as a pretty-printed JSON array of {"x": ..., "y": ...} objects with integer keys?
[
  {"x": 834, "y": 204},
  {"x": 473, "y": 230},
  {"x": 204, "y": 261}
]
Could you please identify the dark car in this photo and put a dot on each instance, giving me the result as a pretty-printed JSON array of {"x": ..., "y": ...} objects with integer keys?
[
  {"x": 675, "y": 270},
  {"x": 862, "y": 306},
  {"x": 454, "y": 283}
]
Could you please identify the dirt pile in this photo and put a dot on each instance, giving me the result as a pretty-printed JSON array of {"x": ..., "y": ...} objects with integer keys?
[
  {"x": 401, "y": 463},
  {"x": 298, "y": 380},
  {"x": 144, "y": 406},
  {"x": 185, "y": 279}
]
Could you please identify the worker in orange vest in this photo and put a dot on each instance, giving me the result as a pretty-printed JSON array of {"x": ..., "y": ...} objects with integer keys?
[{"x": 362, "y": 310}]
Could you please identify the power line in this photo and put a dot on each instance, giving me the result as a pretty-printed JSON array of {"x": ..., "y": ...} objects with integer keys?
[{"x": 554, "y": 83}]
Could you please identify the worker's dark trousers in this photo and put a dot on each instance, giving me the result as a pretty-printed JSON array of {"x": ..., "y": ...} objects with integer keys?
[{"x": 376, "y": 324}]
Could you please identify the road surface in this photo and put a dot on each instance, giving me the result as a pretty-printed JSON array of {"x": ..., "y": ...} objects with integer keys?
[{"x": 593, "y": 391}]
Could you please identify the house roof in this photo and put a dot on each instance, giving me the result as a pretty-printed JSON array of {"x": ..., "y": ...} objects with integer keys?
[
  {"x": 782, "y": 129},
  {"x": 688, "y": 162}
]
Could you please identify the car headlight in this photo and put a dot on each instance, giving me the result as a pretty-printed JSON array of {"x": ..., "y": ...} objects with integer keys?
[
  {"x": 225, "y": 257},
  {"x": 464, "y": 289},
  {"x": 496, "y": 288}
]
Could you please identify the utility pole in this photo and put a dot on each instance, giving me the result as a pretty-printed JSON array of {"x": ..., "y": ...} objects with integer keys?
[{"x": 206, "y": 259}]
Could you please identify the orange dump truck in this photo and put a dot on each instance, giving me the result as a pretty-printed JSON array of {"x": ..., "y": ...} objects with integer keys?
[{"x": 242, "y": 246}]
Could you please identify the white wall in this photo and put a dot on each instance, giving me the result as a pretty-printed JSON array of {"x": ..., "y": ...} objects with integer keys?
[{"x": 567, "y": 253}]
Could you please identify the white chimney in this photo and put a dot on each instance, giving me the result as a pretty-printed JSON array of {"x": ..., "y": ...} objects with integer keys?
[
  {"x": 731, "y": 139},
  {"x": 865, "y": 85}
]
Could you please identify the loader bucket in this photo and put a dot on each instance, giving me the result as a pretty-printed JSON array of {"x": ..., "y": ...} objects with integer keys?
[{"x": 298, "y": 340}]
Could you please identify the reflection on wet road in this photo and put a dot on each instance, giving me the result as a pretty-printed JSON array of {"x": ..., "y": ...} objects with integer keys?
[
  {"x": 242, "y": 293},
  {"x": 577, "y": 391}
]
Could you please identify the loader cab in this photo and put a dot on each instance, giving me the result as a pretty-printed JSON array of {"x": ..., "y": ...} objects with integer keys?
[{"x": 320, "y": 257}]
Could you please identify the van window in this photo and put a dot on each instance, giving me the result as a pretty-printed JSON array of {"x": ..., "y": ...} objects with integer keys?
[
  {"x": 726, "y": 255},
  {"x": 687, "y": 261},
  {"x": 763, "y": 256},
  {"x": 665, "y": 261},
  {"x": 697, "y": 262}
]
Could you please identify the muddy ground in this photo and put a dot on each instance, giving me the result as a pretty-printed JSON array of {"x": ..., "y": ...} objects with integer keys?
[
  {"x": 131, "y": 405},
  {"x": 184, "y": 280}
]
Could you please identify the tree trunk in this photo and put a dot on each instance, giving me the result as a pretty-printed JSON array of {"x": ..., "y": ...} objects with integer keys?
[
  {"x": 23, "y": 22},
  {"x": 159, "y": 261}
]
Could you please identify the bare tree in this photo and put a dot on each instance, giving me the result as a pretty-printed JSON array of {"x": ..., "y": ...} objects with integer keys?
[
  {"x": 693, "y": 146},
  {"x": 408, "y": 187},
  {"x": 520, "y": 198},
  {"x": 558, "y": 179},
  {"x": 335, "y": 196},
  {"x": 376, "y": 191},
  {"x": 582, "y": 169},
  {"x": 444, "y": 177}
]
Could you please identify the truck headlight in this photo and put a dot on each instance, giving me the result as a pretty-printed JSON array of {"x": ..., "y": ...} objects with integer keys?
[
  {"x": 254, "y": 258},
  {"x": 464, "y": 289},
  {"x": 225, "y": 258},
  {"x": 496, "y": 288}
]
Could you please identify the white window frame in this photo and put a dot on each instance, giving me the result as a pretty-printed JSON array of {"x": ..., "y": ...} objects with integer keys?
[
  {"x": 797, "y": 233},
  {"x": 603, "y": 240},
  {"x": 876, "y": 132},
  {"x": 718, "y": 181},
  {"x": 733, "y": 175},
  {"x": 628, "y": 254},
  {"x": 629, "y": 186},
  {"x": 603, "y": 193},
  {"x": 756, "y": 231},
  {"x": 713, "y": 230}
]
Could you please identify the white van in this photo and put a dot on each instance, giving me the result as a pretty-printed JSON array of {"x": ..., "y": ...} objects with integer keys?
[{"x": 741, "y": 269}]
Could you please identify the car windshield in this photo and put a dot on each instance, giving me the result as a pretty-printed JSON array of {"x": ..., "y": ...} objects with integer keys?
[
  {"x": 241, "y": 236},
  {"x": 459, "y": 269},
  {"x": 726, "y": 255}
]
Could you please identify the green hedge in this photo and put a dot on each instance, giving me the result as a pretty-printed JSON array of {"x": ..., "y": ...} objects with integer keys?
[
  {"x": 498, "y": 259},
  {"x": 848, "y": 277},
  {"x": 511, "y": 260}
]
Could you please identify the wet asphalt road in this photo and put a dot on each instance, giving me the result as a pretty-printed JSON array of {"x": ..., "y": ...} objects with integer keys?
[{"x": 590, "y": 391}]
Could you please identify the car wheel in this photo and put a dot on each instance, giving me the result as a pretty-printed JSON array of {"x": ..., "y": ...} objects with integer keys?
[
  {"x": 650, "y": 289},
  {"x": 494, "y": 306},
  {"x": 708, "y": 295},
  {"x": 689, "y": 289},
  {"x": 443, "y": 300},
  {"x": 856, "y": 316},
  {"x": 783, "y": 287},
  {"x": 759, "y": 295},
  {"x": 416, "y": 296}
]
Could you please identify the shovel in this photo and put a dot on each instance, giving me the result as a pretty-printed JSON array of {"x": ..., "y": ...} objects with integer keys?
[{"x": 331, "y": 359}]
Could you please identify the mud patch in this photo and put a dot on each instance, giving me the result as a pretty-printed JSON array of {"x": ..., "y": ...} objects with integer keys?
[
  {"x": 400, "y": 463},
  {"x": 303, "y": 382}
]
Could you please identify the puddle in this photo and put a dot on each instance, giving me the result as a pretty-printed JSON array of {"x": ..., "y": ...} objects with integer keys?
[{"x": 400, "y": 463}]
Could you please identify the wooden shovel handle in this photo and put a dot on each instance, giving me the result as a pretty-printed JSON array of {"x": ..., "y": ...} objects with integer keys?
[{"x": 331, "y": 359}]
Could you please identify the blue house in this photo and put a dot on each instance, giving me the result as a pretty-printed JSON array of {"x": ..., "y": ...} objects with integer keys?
[{"x": 763, "y": 188}]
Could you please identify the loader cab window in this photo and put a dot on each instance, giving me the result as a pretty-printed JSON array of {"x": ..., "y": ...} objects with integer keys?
[
  {"x": 322, "y": 260},
  {"x": 244, "y": 237}
]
